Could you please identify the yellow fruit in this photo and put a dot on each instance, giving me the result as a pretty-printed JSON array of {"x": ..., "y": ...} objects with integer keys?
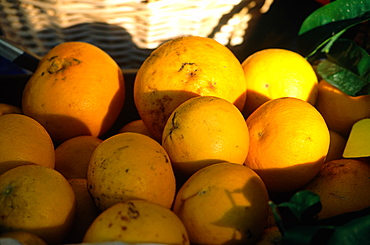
[
  {"x": 9, "y": 109},
  {"x": 137, "y": 221},
  {"x": 340, "y": 110},
  {"x": 38, "y": 200},
  {"x": 86, "y": 211},
  {"x": 275, "y": 73},
  {"x": 136, "y": 126},
  {"x": 205, "y": 130},
  {"x": 77, "y": 89},
  {"x": 336, "y": 146},
  {"x": 130, "y": 166},
  {"x": 183, "y": 68},
  {"x": 224, "y": 203},
  {"x": 24, "y": 141},
  {"x": 25, "y": 238},
  {"x": 289, "y": 141},
  {"x": 358, "y": 143},
  {"x": 72, "y": 157},
  {"x": 343, "y": 186}
]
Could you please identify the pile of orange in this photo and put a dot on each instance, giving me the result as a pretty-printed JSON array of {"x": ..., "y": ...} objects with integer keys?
[{"x": 215, "y": 141}]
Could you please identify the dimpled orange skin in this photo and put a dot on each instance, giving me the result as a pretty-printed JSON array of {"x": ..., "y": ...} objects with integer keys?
[
  {"x": 183, "y": 68},
  {"x": 37, "y": 199},
  {"x": 205, "y": 130},
  {"x": 137, "y": 221},
  {"x": 274, "y": 73},
  {"x": 77, "y": 89},
  {"x": 343, "y": 186},
  {"x": 130, "y": 166},
  {"x": 223, "y": 203},
  {"x": 24, "y": 141},
  {"x": 289, "y": 141}
]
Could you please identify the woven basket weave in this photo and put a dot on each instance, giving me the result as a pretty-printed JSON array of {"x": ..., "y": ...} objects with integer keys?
[{"x": 126, "y": 29}]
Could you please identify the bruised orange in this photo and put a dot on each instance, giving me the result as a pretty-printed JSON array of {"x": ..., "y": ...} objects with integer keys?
[
  {"x": 289, "y": 141},
  {"x": 130, "y": 166},
  {"x": 137, "y": 222},
  {"x": 183, "y": 68},
  {"x": 343, "y": 186},
  {"x": 77, "y": 89}
]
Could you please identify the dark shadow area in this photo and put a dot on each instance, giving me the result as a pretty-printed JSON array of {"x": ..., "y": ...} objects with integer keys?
[{"x": 277, "y": 28}]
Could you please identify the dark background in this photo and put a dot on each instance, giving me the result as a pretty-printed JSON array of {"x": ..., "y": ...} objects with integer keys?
[{"x": 278, "y": 28}]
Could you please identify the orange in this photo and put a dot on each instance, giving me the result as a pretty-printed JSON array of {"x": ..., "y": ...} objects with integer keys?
[
  {"x": 274, "y": 73},
  {"x": 336, "y": 146},
  {"x": 205, "y": 130},
  {"x": 38, "y": 200},
  {"x": 137, "y": 126},
  {"x": 130, "y": 166},
  {"x": 137, "y": 221},
  {"x": 86, "y": 211},
  {"x": 340, "y": 110},
  {"x": 183, "y": 68},
  {"x": 24, "y": 141},
  {"x": 9, "y": 109},
  {"x": 72, "y": 157},
  {"x": 223, "y": 203},
  {"x": 289, "y": 141},
  {"x": 77, "y": 89},
  {"x": 25, "y": 238},
  {"x": 343, "y": 186}
]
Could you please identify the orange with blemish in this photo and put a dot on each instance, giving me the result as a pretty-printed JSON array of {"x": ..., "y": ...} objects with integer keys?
[{"x": 77, "y": 89}]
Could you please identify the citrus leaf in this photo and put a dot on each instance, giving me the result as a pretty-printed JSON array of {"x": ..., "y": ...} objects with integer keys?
[
  {"x": 354, "y": 232},
  {"x": 330, "y": 21},
  {"x": 347, "y": 67},
  {"x": 353, "y": 226},
  {"x": 304, "y": 205},
  {"x": 353, "y": 57},
  {"x": 340, "y": 77}
]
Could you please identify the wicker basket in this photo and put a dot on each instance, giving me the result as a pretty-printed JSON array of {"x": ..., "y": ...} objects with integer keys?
[{"x": 126, "y": 29}]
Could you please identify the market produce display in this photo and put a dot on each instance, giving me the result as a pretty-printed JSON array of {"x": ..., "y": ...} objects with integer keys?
[{"x": 270, "y": 150}]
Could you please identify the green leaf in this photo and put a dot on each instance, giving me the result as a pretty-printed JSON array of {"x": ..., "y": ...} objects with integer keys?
[
  {"x": 304, "y": 205},
  {"x": 307, "y": 234},
  {"x": 349, "y": 228},
  {"x": 354, "y": 232},
  {"x": 347, "y": 67},
  {"x": 329, "y": 22}
]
